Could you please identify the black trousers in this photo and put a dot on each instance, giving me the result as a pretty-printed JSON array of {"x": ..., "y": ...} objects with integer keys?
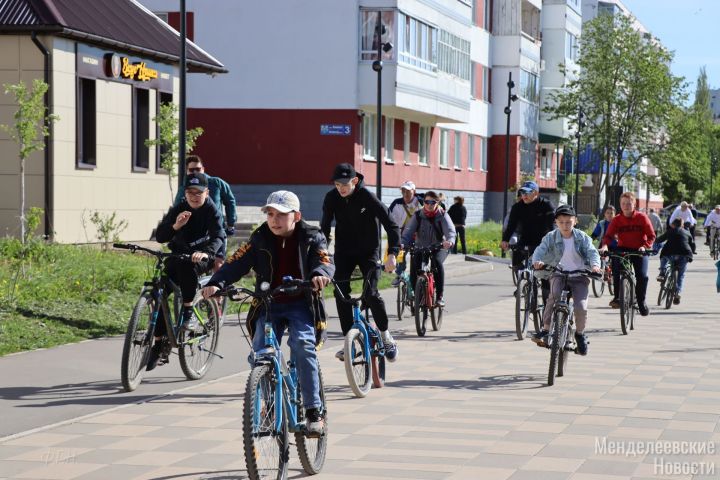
[
  {"x": 460, "y": 229},
  {"x": 185, "y": 275},
  {"x": 344, "y": 266},
  {"x": 640, "y": 266},
  {"x": 437, "y": 265}
]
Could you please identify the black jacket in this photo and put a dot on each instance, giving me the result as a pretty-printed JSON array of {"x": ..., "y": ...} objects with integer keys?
[
  {"x": 535, "y": 219},
  {"x": 458, "y": 213},
  {"x": 258, "y": 254},
  {"x": 677, "y": 242},
  {"x": 356, "y": 222},
  {"x": 202, "y": 233}
]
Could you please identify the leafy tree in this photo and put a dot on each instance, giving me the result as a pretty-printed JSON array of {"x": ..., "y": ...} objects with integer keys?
[
  {"x": 31, "y": 127},
  {"x": 626, "y": 90},
  {"x": 169, "y": 140}
]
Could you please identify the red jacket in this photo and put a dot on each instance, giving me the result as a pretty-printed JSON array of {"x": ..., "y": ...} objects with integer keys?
[{"x": 632, "y": 232}]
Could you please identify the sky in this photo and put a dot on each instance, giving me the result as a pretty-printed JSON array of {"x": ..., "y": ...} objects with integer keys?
[{"x": 688, "y": 28}]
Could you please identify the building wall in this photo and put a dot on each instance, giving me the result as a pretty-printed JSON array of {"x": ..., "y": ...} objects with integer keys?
[
  {"x": 20, "y": 60},
  {"x": 139, "y": 198}
]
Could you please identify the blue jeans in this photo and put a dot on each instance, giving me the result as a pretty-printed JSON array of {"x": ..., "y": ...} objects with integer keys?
[
  {"x": 298, "y": 319},
  {"x": 681, "y": 261}
]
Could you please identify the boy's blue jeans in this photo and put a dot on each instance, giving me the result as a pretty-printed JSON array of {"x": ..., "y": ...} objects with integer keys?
[
  {"x": 298, "y": 319},
  {"x": 681, "y": 261}
]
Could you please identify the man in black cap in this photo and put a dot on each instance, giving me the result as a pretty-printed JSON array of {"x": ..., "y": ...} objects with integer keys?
[
  {"x": 356, "y": 212},
  {"x": 193, "y": 227}
]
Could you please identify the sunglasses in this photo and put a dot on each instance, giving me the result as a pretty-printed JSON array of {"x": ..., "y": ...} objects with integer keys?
[
  {"x": 194, "y": 193},
  {"x": 430, "y": 202},
  {"x": 195, "y": 170}
]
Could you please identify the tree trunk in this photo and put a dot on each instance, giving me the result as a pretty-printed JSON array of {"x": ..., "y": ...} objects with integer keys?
[{"x": 22, "y": 198}]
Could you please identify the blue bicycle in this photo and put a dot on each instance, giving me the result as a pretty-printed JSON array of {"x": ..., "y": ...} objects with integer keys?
[
  {"x": 273, "y": 405},
  {"x": 364, "y": 348}
]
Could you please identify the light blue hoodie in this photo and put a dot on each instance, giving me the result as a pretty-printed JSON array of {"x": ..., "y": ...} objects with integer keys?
[{"x": 551, "y": 250}]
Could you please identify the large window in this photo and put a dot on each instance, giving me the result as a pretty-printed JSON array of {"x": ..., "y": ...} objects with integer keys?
[
  {"x": 369, "y": 136},
  {"x": 528, "y": 154},
  {"x": 529, "y": 86},
  {"x": 163, "y": 99},
  {"x": 369, "y": 38},
  {"x": 545, "y": 162},
  {"x": 423, "y": 145},
  {"x": 406, "y": 143},
  {"x": 571, "y": 47},
  {"x": 453, "y": 55},
  {"x": 444, "y": 147},
  {"x": 86, "y": 139},
  {"x": 389, "y": 139},
  {"x": 416, "y": 42},
  {"x": 483, "y": 154},
  {"x": 486, "y": 84},
  {"x": 458, "y": 151},
  {"x": 472, "y": 152},
  {"x": 141, "y": 129}
]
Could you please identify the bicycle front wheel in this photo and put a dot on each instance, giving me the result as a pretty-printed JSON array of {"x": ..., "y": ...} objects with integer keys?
[
  {"x": 565, "y": 337},
  {"x": 266, "y": 447},
  {"x": 627, "y": 305},
  {"x": 401, "y": 299},
  {"x": 357, "y": 363},
  {"x": 138, "y": 339},
  {"x": 555, "y": 335},
  {"x": 598, "y": 287},
  {"x": 421, "y": 308},
  {"x": 670, "y": 290},
  {"x": 312, "y": 451},
  {"x": 522, "y": 308},
  {"x": 197, "y": 348}
]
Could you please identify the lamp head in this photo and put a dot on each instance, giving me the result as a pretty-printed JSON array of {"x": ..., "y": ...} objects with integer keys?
[
  {"x": 377, "y": 65},
  {"x": 387, "y": 46}
]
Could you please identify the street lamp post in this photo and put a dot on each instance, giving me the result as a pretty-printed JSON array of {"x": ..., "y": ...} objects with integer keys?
[
  {"x": 508, "y": 109},
  {"x": 578, "y": 134},
  {"x": 183, "y": 118},
  {"x": 377, "y": 65}
]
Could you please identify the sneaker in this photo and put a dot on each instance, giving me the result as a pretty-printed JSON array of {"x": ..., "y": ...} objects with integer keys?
[
  {"x": 391, "y": 350},
  {"x": 660, "y": 278},
  {"x": 340, "y": 355},
  {"x": 190, "y": 321},
  {"x": 541, "y": 338},
  {"x": 642, "y": 306},
  {"x": 614, "y": 303},
  {"x": 676, "y": 300},
  {"x": 314, "y": 423},
  {"x": 396, "y": 281},
  {"x": 157, "y": 357},
  {"x": 440, "y": 301},
  {"x": 582, "y": 343}
]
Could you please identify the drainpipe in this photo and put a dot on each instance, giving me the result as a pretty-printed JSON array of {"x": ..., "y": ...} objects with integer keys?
[{"x": 48, "y": 206}]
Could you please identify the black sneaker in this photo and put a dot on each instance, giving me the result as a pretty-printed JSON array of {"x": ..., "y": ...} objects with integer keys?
[
  {"x": 660, "y": 278},
  {"x": 541, "y": 338},
  {"x": 644, "y": 310},
  {"x": 314, "y": 423},
  {"x": 340, "y": 355},
  {"x": 582, "y": 343},
  {"x": 614, "y": 303},
  {"x": 676, "y": 300},
  {"x": 154, "y": 357}
]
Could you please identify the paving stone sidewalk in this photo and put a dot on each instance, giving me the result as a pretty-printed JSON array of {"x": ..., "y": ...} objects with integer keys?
[{"x": 468, "y": 402}]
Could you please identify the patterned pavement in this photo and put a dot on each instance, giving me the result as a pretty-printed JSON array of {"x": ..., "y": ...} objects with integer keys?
[{"x": 468, "y": 402}]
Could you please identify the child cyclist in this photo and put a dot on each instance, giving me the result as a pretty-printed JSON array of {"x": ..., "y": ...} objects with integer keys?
[
  {"x": 572, "y": 249},
  {"x": 286, "y": 246}
]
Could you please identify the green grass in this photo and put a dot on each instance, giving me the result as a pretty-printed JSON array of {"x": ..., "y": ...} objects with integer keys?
[
  {"x": 484, "y": 237},
  {"x": 65, "y": 293}
]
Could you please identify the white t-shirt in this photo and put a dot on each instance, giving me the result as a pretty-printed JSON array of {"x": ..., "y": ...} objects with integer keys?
[
  {"x": 685, "y": 216},
  {"x": 571, "y": 260},
  {"x": 713, "y": 219}
]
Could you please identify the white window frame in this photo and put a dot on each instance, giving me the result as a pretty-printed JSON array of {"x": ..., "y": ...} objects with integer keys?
[
  {"x": 471, "y": 152},
  {"x": 483, "y": 154},
  {"x": 486, "y": 83},
  {"x": 458, "y": 151},
  {"x": 406, "y": 143},
  {"x": 443, "y": 149},
  {"x": 369, "y": 137},
  {"x": 389, "y": 140},
  {"x": 424, "y": 145}
]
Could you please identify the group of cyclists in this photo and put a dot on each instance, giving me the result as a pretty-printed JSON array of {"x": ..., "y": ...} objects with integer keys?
[{"x": 286, "y": 246}]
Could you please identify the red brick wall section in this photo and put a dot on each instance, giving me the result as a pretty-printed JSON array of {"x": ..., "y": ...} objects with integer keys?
[{"x": 496, "y": 162}]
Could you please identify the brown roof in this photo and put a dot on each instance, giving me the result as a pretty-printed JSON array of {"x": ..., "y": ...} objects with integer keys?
[{"x": 120, "y": 24}]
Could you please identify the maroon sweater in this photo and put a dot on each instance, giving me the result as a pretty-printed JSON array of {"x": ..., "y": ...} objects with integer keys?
[{"x": 287, "y": 263}]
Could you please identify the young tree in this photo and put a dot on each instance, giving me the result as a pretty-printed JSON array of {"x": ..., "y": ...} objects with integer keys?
[
  {"x": 626, "y": 90},
  {"x": 169, "y": 140},
  {"x": 31, "y": 127}
]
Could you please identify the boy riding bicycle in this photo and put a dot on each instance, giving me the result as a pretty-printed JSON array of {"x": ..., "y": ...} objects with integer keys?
[
  {"x": 286, "y": 246},
  {"x": 677, "y": 249},
  {"x": 572, "y": 249}
]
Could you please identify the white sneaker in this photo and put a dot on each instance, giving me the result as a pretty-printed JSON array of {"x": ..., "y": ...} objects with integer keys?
[{"x": 391, "y": 349}]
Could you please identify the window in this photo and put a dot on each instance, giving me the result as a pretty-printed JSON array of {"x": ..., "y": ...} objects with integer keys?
[
  {"x": 545, "y": 162},
  {"x": 471, "y": 152},
  {"x": 458, "y": 151},
  {"x": 162, "y": 16},
  {"x": 141, "y": 129},
  {"x": 406, "y": 143},
  {"x": 368, "y": 31},
  {"x": 389, "y": 139},
  {"x": 417, "y": 43},
  {"x": 475, "y": 72},
  {"x": 453, "y": 55},
  {"x": 486, "y": 84},
  {"x": 369, "y": 136},
  {"x": 86, "y": 140},
  {"x": 529, "y": 86},
  {"x": 163, "y": 99},
  {"x": 444, "y": 147},
  {"x": 528, "y": 148},
  {"x": 483, "y": 154},
  {"x": 571, "y": 46},
  {"x": 423, "y": 145},
  {"x": 487, "y": 18}
]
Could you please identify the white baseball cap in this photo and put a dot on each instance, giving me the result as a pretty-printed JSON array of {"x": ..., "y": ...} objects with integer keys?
[
  {"x": 283, "y": 201},
  {"x": 408, "y": 185}
]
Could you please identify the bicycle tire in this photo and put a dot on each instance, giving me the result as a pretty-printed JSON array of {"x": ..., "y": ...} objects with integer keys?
[
  {"x": 661, "y": 293},
  {"x": 197, "y": 349},
  {"x": 611, "y": 285},
  {"x": 522, "y": 308},
  {"x": 626, "y": 304},
  {"x": 672, "y": 285},
  {"x": 312, "y": 451},
  {"x": 598, "y": 287},
  {"x": 266, "y": 450},
  {"x": 566, "y": 333},
  {"x": 135, "y": 355},
  {"x": 421, "y": 310},
  {"x": 537, "y": 310},
  {"x": 554, "y": 347},
  {"x": 378, "y": 370},
  {"x": 436, "y": 317},
  {"x": 357, "y": 367},
  {"x": 515, "y": 276},
  {"x": 401, "y": 299}
]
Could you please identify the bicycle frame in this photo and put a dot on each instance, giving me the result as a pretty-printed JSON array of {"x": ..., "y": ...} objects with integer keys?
[{"x": 368, "y": 331}]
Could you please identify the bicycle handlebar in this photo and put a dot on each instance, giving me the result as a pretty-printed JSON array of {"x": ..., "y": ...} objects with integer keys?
[
  {"x": 435, "y": 247},
  {"x": 627, "y": 253},
  {"x": 584, "y": 272},
  {"x": 289, "y": 285},
  {"x": 157, "y": 253}
]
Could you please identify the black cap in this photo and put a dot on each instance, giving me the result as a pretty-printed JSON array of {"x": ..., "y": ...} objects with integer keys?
[
  {"x": 196, "y": 180},
  {"x": 564, "y": 210},
  {"x": 343, "y": 173}
]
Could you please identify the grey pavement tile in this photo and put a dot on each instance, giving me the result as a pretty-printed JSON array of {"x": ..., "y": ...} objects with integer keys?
[
  {"x": 586, "y": 429},
  {"x": 686, "y": 435},
  {"x": 191, "y": 445},
  {"x": 91, "y": 441},
  {"x": 7, "y": 451},
  {"x": 116, "y": 472},
  {"x": 618, "y": 412},
  {"x": 539, "y": 475},
  {"x": 566, "y": 451},
  {"x": 214, "y": 461},
  {"x": 529, "y": 437},
  {"x": 155, "y": 420},
  {"x": 406, "y": 459},
  {"x": 105, "y": 456},
  {"x": 669, "y": 407},
  {"x": 551, "y": 417},
  {"x": 16, "y": 467},
  {"x": 396, "y": 473},
  {"x": 608, "y": 467},
  {"x": 80, "y": 428},
  {"x": 367, "y": 441},
  {"x": 400, "y": 445},
  {"x": 497, "y": 460},
  {"x": 638, "y": 422},
  {"x": 452, "y": 435}
]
